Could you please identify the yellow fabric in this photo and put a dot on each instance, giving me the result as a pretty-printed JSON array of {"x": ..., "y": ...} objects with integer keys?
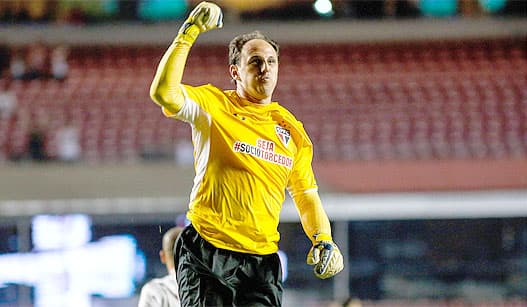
[
  {"x": 246, "y": 154},
  {"x": 313, "y": 217},
  {"x": 165, "y": 88},
  {"x": 323, "y": 237},
  {"x": 189, "y": 36}
]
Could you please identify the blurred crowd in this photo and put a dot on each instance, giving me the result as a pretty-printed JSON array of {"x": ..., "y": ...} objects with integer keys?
[
  {"x": 38, "y": 61},
  {"x": 93, "y": 11}
]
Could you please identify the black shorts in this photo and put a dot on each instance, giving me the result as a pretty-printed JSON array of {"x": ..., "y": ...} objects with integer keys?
[{"x": 210, "y": 276}]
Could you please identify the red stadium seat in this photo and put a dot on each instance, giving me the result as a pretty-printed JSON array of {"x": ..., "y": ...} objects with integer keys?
[{"x": 414, "y": 100}]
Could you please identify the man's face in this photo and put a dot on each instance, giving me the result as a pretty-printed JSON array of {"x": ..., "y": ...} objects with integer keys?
[{"x": 257, "y": 72}]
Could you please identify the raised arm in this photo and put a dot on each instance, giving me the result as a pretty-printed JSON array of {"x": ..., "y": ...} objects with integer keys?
[{"x": 165, "y": 89}]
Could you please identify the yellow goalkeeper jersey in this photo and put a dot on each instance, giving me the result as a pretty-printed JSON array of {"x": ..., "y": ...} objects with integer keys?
[{"x": 246, "y": 155}]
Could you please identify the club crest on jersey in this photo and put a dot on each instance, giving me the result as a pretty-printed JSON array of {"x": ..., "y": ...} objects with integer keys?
[{"x": 283, "y": 134}]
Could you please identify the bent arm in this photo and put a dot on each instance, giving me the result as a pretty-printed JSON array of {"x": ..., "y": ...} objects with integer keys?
[
  {"x": 165, "y": 89},
  {"x": 312, "y": 215}
]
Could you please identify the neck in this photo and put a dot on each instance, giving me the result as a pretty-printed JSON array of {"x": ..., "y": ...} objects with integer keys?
[{"x": 243, "y": 94}]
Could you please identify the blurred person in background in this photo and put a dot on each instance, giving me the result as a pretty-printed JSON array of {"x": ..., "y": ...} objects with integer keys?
[
  {"x": 37, "y": 61},
  {"x": 248, "y": 151},
  {"x": 163, "y": 292},
  {"x": 8, "y": 102},
  {"x": 14, "y": 12},
  {"x": 37, "y": 141},
  {"x": 17, "y": 64},
  {"x": 67, "y": 140},
  {"x": 4, "y": 57},
  {"x": 59, "y": 62}
]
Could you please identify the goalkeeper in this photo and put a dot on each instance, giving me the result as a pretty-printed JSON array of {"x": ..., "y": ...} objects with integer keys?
[{"x": 248, "y": 151}]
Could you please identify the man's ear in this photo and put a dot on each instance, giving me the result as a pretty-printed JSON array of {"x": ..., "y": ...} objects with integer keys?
[
  {"x": 233, "y": 69},
  {"x": 162, "y": 256}
]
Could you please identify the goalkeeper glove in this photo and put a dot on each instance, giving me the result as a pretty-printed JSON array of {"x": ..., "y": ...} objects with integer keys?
[
  {"x": 325, "y": 256},
  {"x": 204, "y": 17}
]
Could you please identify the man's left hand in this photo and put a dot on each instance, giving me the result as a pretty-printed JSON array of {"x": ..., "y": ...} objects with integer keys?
[{"x": 325, "y": 256}]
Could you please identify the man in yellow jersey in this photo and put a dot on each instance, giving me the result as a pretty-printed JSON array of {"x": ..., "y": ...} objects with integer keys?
[{"x": 248, "y": 151}]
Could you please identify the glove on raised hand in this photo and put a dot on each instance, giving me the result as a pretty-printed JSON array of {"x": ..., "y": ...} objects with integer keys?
[
  {"x": 204, "y": 17},
  {"x": 325, "y": 256}
]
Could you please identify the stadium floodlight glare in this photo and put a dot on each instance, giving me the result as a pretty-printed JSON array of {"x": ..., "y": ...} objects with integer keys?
[{"x": 323, "y": 7}]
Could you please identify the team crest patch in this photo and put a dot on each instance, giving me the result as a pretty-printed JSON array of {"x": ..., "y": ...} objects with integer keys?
[{"x": 283, "y": 134}]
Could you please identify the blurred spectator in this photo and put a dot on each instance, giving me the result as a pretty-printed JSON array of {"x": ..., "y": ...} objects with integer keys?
[
  {"x": 68, "y": 142},
  {"x": 37, "y": 142},
  {"x": 470, "y": 8},
  {"x": 4, "y": 57},
  {"x": 76, "y": 16},
  {"x": 18, "y": 12},
  {"x": 163, "y": 292},
  {"x": 59, "y": 62},
  {"x": 17, "y": 65},
  {"x": 37, "y": 58},
  {"x": 39, "y": 11},
  {"x": 7, "y": 104},
  {"x": 6, "y": 12},
  {"x": 26, "y": 11}
]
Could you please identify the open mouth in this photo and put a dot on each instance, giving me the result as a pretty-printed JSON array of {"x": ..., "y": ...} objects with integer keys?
[{"x": 264, "y": 78}]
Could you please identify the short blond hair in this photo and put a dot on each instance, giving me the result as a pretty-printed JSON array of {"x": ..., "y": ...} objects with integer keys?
[{"x": 237, "y": 43}]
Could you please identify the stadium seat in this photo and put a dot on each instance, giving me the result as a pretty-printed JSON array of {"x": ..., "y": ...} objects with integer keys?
[{"x": 391, "y": 101}]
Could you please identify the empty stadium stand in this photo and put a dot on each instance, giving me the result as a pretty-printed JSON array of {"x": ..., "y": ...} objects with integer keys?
[{"x": 359, "y": 102}]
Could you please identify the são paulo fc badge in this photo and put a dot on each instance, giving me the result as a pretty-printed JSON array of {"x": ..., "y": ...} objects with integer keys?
[{"x": 283, "y": 134}]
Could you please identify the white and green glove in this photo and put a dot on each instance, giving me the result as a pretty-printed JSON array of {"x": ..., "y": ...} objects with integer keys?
[
  {"x": 325, "y": 256},
  {"x": 204, "y": 17}
]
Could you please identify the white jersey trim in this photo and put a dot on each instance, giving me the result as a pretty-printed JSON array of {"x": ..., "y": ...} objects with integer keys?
[{"x": 200, "y": 122}]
